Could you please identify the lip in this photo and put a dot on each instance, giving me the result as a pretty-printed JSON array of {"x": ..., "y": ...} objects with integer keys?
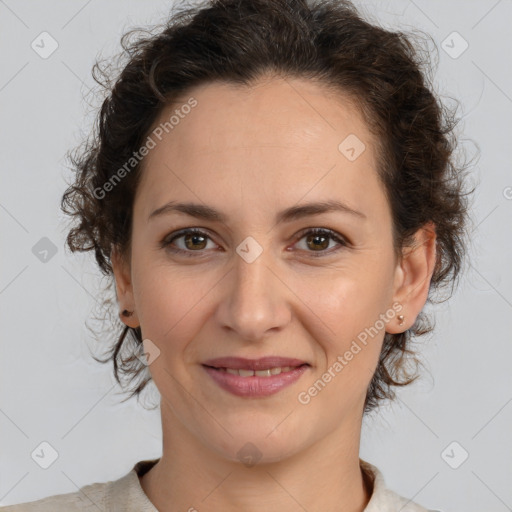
[
  {"x": 255, "y": 386},
  {"x": 239, "y": 363}
]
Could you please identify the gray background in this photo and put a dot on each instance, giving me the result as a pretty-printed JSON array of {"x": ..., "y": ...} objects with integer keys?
[{"x": 51, "y": 390}]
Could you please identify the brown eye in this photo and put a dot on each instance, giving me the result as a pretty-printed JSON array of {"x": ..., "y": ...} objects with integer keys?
[
  {"x": 317, "y": 240},
  {"x": 193, "y": 241}
]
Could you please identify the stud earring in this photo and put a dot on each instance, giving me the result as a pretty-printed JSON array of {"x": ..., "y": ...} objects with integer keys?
[{"x": 400, "y": 319}]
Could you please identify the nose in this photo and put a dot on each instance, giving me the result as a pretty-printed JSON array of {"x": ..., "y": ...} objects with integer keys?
[{"x": 255, "y": 301}]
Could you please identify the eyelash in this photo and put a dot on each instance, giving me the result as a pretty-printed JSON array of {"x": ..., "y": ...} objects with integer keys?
[{"x": 166, "y": 242}]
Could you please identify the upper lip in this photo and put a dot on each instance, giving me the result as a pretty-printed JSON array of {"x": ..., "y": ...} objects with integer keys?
[{"x": 263, "y": 363}]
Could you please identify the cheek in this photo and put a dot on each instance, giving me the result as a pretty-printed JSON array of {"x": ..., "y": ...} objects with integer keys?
[
  {"x": 348, "y": 341},
  {"x": 172, "y": 314},
  {"x": 344, "y": 310},
  {"x": 347, "y": 300},
  {"x": 169, "y": 302}
]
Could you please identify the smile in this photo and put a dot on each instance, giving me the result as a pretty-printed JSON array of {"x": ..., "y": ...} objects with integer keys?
[
  {"x": 249, "y": 383},
  {"x": 258, "y": 373}
]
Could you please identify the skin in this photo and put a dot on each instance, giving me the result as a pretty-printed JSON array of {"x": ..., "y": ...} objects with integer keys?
[{"x": 251, "y": 152}]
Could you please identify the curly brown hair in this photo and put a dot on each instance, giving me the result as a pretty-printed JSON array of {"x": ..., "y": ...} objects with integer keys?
[{"x": 238, "y": 41}]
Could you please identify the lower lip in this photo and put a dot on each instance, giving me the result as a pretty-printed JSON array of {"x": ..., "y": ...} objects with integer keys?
[{"x": 255, "y": 386}]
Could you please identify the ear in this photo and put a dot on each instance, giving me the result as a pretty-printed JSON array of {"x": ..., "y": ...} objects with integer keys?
[
  {"x": 413, "y": 275},
  {"x": 124, "y": 288}
]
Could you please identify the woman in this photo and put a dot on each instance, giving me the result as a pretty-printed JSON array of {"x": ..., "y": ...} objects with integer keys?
[{"x": 272, "y": 190}]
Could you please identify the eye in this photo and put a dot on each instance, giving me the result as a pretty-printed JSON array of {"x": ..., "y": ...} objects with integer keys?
[
  {"x": 196, "y": 240},
  {"x": 317, "y": 240}
]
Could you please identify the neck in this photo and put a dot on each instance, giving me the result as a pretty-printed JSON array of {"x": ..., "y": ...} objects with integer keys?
[{"x": 325, "y": 476}]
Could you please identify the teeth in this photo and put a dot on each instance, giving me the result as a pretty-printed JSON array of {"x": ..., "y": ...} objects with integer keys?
[
  {"x": 258, "y": 373},
  {"x": 262, "y": 373}
]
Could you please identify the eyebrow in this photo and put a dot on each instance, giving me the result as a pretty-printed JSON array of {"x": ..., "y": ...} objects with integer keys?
[{"x": 205, "y": 212}]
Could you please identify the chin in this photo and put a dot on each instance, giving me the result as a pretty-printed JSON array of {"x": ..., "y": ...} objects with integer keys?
[{"x": 256, "y": 448}]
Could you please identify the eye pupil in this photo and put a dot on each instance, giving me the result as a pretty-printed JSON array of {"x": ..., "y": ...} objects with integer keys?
[
  {"x": 323, "y": 246},
  {"x": 193, "y": 236}
]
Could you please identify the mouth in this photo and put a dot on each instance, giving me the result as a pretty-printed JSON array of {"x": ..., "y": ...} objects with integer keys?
[
  {"x": 257, "y": 377},
  {"x": 268, "y": 372},
  {"x": 262, "y": 364}
]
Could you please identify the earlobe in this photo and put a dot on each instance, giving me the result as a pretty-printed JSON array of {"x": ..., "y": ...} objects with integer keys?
[
  {"x": 124, "y": 289},
  {"x": 413, "y": 277}
]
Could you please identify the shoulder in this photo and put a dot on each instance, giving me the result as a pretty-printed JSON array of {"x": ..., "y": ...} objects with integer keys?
[
  {"x": 384, "y": 499},
  {"x": 88, "y": 498},
  {"x": 125, "y": 494}
]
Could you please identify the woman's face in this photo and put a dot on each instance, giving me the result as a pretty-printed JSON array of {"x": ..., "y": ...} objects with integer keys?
[{"x": 255, "y": 283}]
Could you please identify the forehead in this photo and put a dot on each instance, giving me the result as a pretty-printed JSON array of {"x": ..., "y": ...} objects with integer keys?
[
  {"x": 272, "y": 111},
  {"x": 276, "y": 138}
]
